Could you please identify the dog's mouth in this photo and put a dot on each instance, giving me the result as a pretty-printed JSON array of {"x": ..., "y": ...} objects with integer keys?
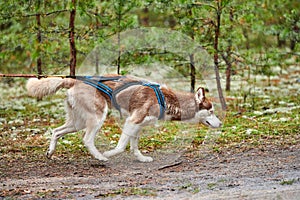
[{"x": 207, "y": 122}]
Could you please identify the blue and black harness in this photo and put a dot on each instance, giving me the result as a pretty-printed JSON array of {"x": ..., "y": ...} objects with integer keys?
[{"x": 97, "y": 82}]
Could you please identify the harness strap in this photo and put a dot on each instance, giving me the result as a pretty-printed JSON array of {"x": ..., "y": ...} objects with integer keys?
[
  {"x": 96, "y": 82},
  {"x": 160, "y": 98},
  {"x": 119, "y": 89}
]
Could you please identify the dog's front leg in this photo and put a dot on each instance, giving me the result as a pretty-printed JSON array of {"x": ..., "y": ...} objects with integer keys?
[{"x": 134, "y": 147}]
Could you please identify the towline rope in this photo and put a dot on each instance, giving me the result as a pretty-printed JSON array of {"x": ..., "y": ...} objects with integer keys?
[{"x": 36, "y": 76}]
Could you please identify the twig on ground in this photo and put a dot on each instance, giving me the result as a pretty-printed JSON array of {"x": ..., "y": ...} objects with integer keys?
[{"x": 170, "y": 165}]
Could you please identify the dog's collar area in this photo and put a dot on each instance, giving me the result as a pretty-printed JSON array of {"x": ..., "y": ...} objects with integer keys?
[{"x": 97, "y": 82}]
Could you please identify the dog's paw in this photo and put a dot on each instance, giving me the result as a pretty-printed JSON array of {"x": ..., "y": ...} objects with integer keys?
[
  {"x": 106, "y": 154},
  {"x": 111, "y": 153},
  {"x": 145, "y": 158},
  {"x": 102, "y": 158},
  {"x": 49, "y": 154}
]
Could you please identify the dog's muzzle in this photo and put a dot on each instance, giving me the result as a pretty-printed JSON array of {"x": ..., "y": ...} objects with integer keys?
[{"x": 212, "y": 121}]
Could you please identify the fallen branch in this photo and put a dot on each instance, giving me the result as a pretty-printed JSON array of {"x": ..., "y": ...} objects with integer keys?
[{"x": 171, "y": 165}]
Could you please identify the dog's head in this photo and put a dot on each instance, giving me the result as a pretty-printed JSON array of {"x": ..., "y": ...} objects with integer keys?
[{"x": 206, "y": 113}]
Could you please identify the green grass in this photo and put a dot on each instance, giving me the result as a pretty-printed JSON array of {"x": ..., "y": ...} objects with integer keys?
[
  {"x": 128, "y": 191},
  {"x": 288, "y": 182}
]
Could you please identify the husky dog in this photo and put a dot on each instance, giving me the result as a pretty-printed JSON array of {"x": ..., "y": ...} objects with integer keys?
[{"x": 143, "y": 103}]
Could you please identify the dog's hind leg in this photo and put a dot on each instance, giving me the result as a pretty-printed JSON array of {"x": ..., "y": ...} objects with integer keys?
[
  {"x": 134, "y": 141},
  {"x": 73, "y": 124},
  {"x": 130, "y": 129},
  {"x": 135, "y": 149},
  {"x": 92, "y": 127},
  {"x": 68, "y": 127}
]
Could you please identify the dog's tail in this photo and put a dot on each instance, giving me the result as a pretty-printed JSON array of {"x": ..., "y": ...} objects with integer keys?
[{"x": 47, "y": 86}]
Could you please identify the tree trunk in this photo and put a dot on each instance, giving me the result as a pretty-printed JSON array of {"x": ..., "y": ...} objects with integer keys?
[
  {"x": 39, "y": 40},
  {"x": 119, "y": 54},
  {"x": 228, "y": 73},
  {"x": 216, "y": 56},
  {"x": 72, "y": 39},
  {"x": 119, "y": 13},
  {"x": 293, "y": 44},
  {"x": 192, "y": 60},
  {"x": 280, "y": 42},
  {"x": 245, "y": 34},
  {"x": 193, "y": 73},
  {"x": 97, "y": 61}
]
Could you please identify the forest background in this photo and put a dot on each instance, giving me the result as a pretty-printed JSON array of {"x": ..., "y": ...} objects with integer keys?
[{"x": 48, "y": 37}]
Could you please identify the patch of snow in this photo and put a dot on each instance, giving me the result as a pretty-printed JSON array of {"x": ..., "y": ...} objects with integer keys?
[
  {"x": 48, "y": 133},
  {"x": 282, "y": 103},
  {"x": 44, "y": 103},
  {"x": 249, "y": 131},
  {"x": 66, "y": 142},
  {"x": 246, "y": 105},
  {"x": 3, "y": 120},
  {"x": 256, "y": 112},
  {"x": 276, "y": 69},
  {"x": 18, "y": 107},
  {"x": 264, "y": 96},
  {"x": 290, "y": 104},
  {"x": 272, "y": 88},
  {"x": 266, "y": 100},
  {"x": 275, "y": 78},
  {"x": 282, "y": 119},
  {"x": 36, "y": 120},
  {"x": 281, "y": 110},
  {"x": 260, "y": 77}
]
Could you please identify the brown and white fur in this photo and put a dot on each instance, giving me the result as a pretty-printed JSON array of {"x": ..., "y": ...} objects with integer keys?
[{"x": 86, "y": 108}]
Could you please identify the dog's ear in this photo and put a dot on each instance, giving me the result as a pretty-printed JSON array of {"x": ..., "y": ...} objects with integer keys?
[{"x": 200, "y": 95}]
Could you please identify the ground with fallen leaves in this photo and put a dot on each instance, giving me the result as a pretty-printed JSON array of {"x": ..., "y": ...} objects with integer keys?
[{"x": 262, "y": 173}]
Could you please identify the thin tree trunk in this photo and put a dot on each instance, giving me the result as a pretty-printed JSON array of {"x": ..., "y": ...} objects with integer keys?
[
  {"x": 216, "y": 56},
  {"x": 293, "y": 44},
  {"x": 97, "y": 61},
  {"x": 193, "y": 72},
  {"x": 39, "y": 40},
  {"x": 119, "y": 40},
  {"x": 280, "y": 42},
  {"x": 245, "y": 34},
  {"x": 192, "y": 61},
  {"x": 72, "y": 39},
  {"x": 228, "y": 71},
  {"x": 119, "y": 54}
]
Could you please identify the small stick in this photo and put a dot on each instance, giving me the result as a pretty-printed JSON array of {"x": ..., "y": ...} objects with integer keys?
[{"x": 170, "y": 165}]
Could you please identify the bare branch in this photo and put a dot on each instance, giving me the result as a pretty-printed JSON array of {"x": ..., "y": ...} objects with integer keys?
[{"x": 46, "y": 14}]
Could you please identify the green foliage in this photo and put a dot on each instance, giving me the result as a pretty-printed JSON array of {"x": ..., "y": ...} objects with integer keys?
[{"x": 247, "y": 28}]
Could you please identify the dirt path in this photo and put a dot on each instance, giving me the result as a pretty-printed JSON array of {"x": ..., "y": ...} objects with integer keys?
[{"x": 255, "y": 174}]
